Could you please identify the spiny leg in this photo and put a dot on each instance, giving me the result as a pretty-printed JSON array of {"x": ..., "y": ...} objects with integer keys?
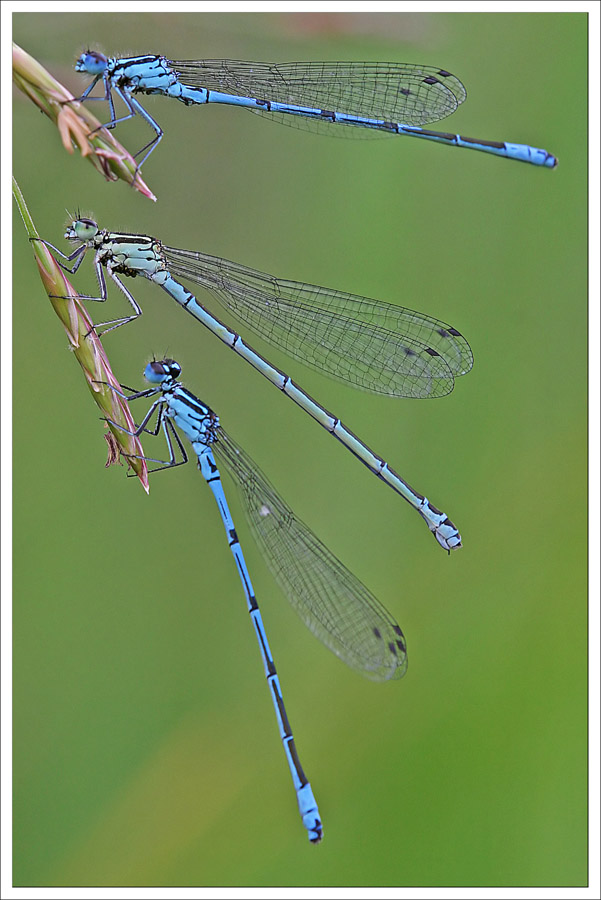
[{"x": 137, "y": 107}]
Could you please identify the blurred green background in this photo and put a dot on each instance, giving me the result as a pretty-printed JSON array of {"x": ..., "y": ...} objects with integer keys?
[{"x": 145, "y": 748}]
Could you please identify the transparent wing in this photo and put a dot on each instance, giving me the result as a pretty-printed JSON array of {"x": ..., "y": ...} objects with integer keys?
[
  {"x": 398, "y": 92},
  {"x": 332, "y": 603},
  {"x": 374, "y": 346}
]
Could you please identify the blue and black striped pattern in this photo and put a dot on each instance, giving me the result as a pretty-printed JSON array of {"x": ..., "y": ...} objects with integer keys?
[
  {"x": 371, "y": 345},
  {"x": 329, "y": 599},
  {"x": 383, "y": 98}
]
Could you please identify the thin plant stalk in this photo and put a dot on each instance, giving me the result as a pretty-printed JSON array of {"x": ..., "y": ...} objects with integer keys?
[
  {"x": 77, "y": 127},
  {"x": 87, "y": 349}
]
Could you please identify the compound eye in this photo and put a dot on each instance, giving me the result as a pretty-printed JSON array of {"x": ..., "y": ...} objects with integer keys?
[
  {"x": 85, "y": 229},
  {"x": 91, "y": 62},
  {"x": 160, "y": 370},
  {"x": 156, "y": 372}
]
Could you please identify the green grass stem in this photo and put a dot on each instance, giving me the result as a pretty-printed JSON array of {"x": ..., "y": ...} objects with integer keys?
[{"x": 87, "y": 349}]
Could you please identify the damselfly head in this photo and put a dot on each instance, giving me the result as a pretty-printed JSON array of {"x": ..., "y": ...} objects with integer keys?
[
  {"x": 162, "y": 370},
  {"x": 82, "y": 230},
  {"x": 92, "y": 62}
]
